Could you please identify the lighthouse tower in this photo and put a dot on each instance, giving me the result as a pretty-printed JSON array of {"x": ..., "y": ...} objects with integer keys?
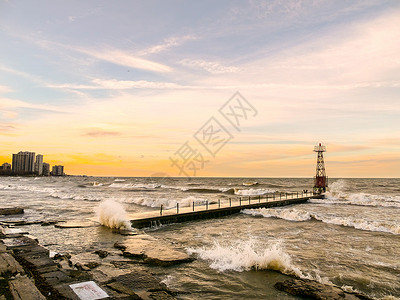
[{"x": 320, "y": 180}]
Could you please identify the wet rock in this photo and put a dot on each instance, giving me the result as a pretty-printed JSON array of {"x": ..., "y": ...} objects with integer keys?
[
  {"x": 11, "y": 211},
  {"x": 161, "y": 295},
  {"x": 316, "y": 290},
  {"x": 101, "y": 253},
  {"x": 92, "y": 265},
  {"x": 23, "y": 288},
  {"x": 48, "y": 223},
  {"x": 106, "y": 272},
  {"x": 8, "y": 265},
  {"x": 120, "y": 246},
  {"x": 20, "y": 222},
  {"x": 153, "y": 251},
  {"x": 140, "y": 285},
  {"x": 76, "y": 224}
]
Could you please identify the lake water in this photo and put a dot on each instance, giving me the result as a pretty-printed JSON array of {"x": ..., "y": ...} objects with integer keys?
[{"x": 351, "y": 238}]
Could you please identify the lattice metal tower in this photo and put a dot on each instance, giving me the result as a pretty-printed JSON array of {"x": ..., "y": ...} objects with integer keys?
[{"x": 320, "y": 180}]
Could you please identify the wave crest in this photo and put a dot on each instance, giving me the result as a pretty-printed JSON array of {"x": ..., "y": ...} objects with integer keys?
[
  {"x": 291, "y": 214},
  {"x": 245, "y": 255},
  {"x": 252, "y": 192}
]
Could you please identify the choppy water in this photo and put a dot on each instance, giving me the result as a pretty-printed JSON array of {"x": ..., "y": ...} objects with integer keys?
[{"x": 351, "y": 238}]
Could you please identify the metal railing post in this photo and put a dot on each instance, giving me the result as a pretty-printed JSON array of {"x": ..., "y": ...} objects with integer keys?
[
  {"x": 177, "y": 208},
  {"x": 207, "y": 205},
  {"x": 219, "y": 203},
  {"x": 161, "y": 210}
]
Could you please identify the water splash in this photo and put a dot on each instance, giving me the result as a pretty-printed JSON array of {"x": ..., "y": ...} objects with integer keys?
[
  {"x": 245, "y": 255},
  {"x": 291, "y": 214},
  {"x": 112, "y": 214}
]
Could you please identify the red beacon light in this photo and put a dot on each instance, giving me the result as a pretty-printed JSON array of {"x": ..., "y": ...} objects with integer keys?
[{"x": 320, "y": 179}]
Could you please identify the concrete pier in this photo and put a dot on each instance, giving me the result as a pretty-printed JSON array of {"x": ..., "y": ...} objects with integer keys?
[{"x": 216, "y": 209}]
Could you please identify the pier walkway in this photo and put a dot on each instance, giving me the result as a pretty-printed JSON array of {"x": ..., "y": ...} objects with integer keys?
[{"x": 206, "y": 210}]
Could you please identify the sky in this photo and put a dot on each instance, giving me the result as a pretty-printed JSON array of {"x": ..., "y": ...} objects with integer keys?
[{"x": 202, "y": 88}]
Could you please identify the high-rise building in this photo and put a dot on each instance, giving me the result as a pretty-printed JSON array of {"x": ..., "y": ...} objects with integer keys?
[
  {"x": 46, "y": 169},
  {"x": 57, "y": 171},
  {"x": 23, "y": 163},
  {"x": 5, "y": 169},
  {"x": 6, "y": 166},
  {"x": 39, "y": 165}
]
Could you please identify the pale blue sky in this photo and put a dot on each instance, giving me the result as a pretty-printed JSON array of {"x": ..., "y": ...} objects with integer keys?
[{"x": 315, "y": 70}]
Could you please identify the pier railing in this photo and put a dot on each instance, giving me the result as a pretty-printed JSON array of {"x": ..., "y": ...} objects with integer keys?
[{"x": 237, "y": 201}]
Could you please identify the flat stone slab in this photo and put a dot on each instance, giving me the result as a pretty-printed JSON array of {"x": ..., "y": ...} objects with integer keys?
[
  {"x": 315, "y": 290},
  {"x": 22, "y": 288},
  {"x": 18, "y": 241},
  {"x": 140, "y": 284},
  {"x": 153, "y": 251},
  {"x": 76, "y": 224},
  {"x": 9, "y": 265},
  {"x": 11, "y": 211},
  {"x": 8, "y": 231}
]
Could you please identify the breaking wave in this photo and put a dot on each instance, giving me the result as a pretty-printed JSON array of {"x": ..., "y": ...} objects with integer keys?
[
  {"x": 119, "y": 180},
  {"x": 113, "y": 215},
  {"x": 338, "y": 195},
  {"x": 209, "y": 190},
  {"x": 246, "y": 255},
  {"x": 135, "y": 185},
  {"x": 168, "y": 203},
  {"x": 361, "y": 224},
  {"x": 297, "y": 215},
  {"x": 291, "y": 214},
  {"x": 250, "y": 183},
  {"x": 252, "y": 192}
]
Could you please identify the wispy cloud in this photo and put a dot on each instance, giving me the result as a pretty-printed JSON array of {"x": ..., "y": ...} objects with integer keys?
[
  {"x": 5, "y": 89},
  {"x": 140, "y": 84},
  {"x": 168, "y": 44},
  {"x": 101, "y": 133},
  {"x": 126, "y": 59},
  {"x": 212, "y": 67}
]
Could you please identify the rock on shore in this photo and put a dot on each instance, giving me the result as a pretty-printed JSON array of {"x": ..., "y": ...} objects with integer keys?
[
  {"x": 152, "y": 251},
  {"x": 11, "y": 211},
  {"x": 315, "y": 290}
]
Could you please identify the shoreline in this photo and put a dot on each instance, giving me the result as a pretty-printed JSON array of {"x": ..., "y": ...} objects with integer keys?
[{"x": 120, "y": 273}]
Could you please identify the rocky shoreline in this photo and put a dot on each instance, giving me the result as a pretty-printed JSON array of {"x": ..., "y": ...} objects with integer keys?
[{"x": 30, "y": 271}]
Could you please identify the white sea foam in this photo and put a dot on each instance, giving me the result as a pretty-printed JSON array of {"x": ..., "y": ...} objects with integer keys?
[
  {"x": 290, "y": 214},
  {"x": 252, "y": 192},
  {"x": 168, "y": 203},
  {"x": 134, "y": 186},
  {"x": 293, "y": 214},
  {"x": 250, "y": 183},
  {"x": 245, "y": 255},
  {"x": 338, "y": 195},
  {"x": 358, "y": 223},
  {"x": 119, "y": 180},
  {"x": 112, "y": 214}
]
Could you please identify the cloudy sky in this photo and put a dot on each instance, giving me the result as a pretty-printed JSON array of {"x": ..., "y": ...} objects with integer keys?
[{"x": 127, "y": 88}]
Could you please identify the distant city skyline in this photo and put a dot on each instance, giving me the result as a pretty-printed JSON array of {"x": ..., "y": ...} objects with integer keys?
[
  {"x": 28, "y": 163},
  {"x": 116, "y": 89}
]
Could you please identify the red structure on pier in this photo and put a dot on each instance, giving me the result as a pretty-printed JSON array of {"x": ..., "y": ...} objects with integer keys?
[{"x": 320, "y": 180}]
